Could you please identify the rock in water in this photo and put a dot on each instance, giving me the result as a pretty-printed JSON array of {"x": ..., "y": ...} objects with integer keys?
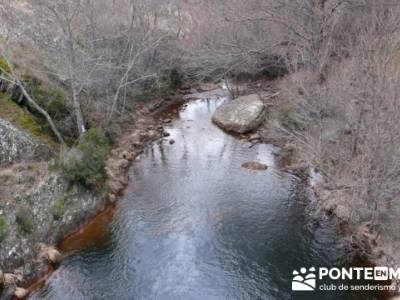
[
  {"x": 255, "y": 166},
  {"x": 241, "y": 115}
]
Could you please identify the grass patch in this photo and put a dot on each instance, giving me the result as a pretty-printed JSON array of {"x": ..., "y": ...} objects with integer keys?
[
  {"x": 13, "y": 113},
  {"x": 58, "y": 209},
  {"x": 3, "y": 228},
  {"x": 4, "y": 67}
]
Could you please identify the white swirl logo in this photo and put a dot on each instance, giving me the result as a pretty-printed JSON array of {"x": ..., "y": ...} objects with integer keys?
[{"x": 303, "y": 280}]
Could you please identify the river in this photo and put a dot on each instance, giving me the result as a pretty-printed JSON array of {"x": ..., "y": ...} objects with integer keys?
[{"x": 194, "y": 225}]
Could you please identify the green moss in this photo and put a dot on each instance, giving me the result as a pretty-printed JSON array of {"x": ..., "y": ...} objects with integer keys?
[
  {"x": 3, "y": 228},
  {"x": 4, "y": 67},
  {"x": 58, "y": 208},
  {"x": 13, "y": 113},
  {"x": 24, "y": 220}
]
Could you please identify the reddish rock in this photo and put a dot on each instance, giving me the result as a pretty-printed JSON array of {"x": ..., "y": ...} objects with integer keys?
[
  {"x": 49, "y": 253},
  {"x": 255, "y": 166},
  {"x": 115, "y": 186},
  {"x": 289, "y": 147},
  {"x": 127, "y": 155},
  {"x": 21, "y": 293},
  {"x": 123, "y": 164}
]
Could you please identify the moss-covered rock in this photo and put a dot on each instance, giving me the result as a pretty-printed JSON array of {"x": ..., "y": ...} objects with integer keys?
[
  {"x": 12, "y": 112},
  {"x": 4, "y": 67},
  {"x": 58, "y": 208},
  {"x": 3, "y": 228}
]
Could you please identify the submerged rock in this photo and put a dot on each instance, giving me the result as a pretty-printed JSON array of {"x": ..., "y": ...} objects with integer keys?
[
  {"x": 16, "y": 146},
  {"x": 241, "y": 115},
  {"x": 255, "y": 166}
]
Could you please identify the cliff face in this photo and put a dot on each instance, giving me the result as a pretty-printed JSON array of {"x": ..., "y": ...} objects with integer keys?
[
  {"x": 17, "y": 146},
  {"x": 44, "y": 211},
  {"x": 36, "y": 205}
]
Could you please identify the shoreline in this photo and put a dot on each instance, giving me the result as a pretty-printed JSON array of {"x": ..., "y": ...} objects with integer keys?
[
  {"x": 123, "y": 156},
  {"x": 147, "y": 129}
]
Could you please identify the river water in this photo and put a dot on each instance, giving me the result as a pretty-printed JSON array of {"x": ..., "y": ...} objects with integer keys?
[{"x": 195, "y": 225}]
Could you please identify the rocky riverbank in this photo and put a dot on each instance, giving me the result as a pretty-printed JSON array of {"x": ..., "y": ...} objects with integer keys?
[
  {"x": 282, "y": 129},
  {"x": 39, "y": 207},
  {"x": 286, "y": 132}
]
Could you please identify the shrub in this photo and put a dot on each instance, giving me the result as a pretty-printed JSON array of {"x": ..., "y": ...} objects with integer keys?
[
  {"x": 170, "y": 80},
  {"x": 58, "y": 209},
  {"x": 86, "y": 163},
  {"x": 49, "y": 97},
  {"x": 24, "y": 220},
  {"x": 288, "y": 118},
  {"x": 3, "y": 228}
]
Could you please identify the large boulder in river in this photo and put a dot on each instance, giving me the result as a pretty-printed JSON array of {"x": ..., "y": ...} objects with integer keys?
[
  {"x": 241, "y": 115},
  {"x": 16, "y": 145}
]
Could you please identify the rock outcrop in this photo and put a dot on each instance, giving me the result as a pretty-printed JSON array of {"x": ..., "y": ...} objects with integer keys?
[
  {"x": 16, "y": 145},
  {"x": 54, "y": 209},
  {"x": 241, "y": 115}
]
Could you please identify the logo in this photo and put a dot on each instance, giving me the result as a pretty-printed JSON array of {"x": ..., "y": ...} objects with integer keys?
[
  {"x": 304, "y": 281},
  {"x": 373, "y": 278}
]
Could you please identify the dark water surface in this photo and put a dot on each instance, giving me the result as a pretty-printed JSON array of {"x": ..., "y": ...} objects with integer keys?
[{"x": 195, "y": 225}]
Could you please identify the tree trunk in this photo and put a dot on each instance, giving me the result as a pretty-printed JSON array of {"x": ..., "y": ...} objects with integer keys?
[
  {"x": 73, "y": 82},
  {"x": 77, "y": 110}
]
